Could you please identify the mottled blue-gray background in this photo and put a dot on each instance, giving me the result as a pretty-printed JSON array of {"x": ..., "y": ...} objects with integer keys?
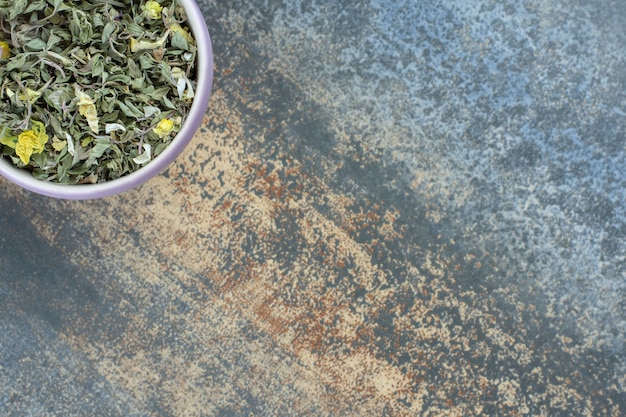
[{"x": 392, "y": 208}]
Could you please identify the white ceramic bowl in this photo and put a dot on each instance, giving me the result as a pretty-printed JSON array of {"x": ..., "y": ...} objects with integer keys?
[{"x": 204, "y": 67}]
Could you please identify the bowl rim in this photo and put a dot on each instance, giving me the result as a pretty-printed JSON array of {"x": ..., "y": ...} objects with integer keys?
[{"x": 204, "y": 65}]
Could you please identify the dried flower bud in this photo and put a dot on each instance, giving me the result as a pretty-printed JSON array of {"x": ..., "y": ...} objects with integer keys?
[
  {"x": 152, "y": 10},
  {"x": 164, "y": 128}
]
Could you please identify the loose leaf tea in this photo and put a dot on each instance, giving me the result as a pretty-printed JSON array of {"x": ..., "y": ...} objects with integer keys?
[{"x": 91, "y": 90}]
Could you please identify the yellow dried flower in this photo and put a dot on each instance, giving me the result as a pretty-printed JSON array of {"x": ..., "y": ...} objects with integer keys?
[
  {"x": 152, "y": 9},
  {"x": 5, "y": 50},
  {"x": 29, "y": 95},
  {"x": 31, "y": 141},
  {"x": 58, "y": 144},
  {"x": 87, "y": 108},
  {"x": 136, "y": 46},
  {"x": 164, "y": 128},
  {"x": 176, "y": 28}
]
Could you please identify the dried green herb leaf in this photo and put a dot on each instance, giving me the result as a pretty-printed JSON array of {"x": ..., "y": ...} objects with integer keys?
[
  {"x": 167, "y": 103},
  {"x": 179, "y": 42},
  {"x": 59, "y": 98},
  {"x": 35, "y": 45},
  {"x": 80, "y": 27},
  {"x": 120, "y": 78},
  {"x": 128, "y": 111},
  {"x": 17, "y": 63},
  {"x": 150, "y": 111},
  {"x": 138, "y": 83},
  {"x": 146, "y": 61},
  {"x": 18, "y": 7},
  {"x": 133, "y": 69},
  {"x": 63, "y": 167},
  {"x": 99, "y": 148},
  {"x": 108, "y": 30},
  {"x": 36, "y": 5}
]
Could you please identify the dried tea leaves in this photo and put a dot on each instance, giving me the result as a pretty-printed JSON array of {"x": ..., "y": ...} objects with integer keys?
[{"x": 92, "y": 90}]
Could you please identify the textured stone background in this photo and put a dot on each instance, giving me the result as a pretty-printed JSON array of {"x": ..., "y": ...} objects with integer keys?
[{"x": 393, "y": 208}]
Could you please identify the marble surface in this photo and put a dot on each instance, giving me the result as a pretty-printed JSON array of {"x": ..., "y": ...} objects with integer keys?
[{"x": 393, "y": 208}]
